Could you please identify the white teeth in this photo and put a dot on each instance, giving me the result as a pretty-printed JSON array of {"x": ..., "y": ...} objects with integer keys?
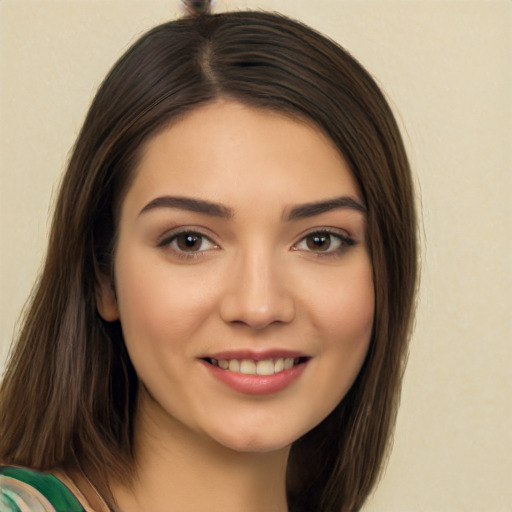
[
  {"x": 265, "y": 367},
  {"x": 288, "y": 363},
  {"x": 234, "y": 365},
  {"x": 250, "y": 367}
]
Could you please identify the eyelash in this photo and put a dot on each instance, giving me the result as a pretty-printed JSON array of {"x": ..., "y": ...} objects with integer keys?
[
  {"x": 344, "y": 242},
  {"x": 170, "y": 240}
]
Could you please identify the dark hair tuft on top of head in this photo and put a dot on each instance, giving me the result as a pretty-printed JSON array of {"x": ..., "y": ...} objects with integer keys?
[{"x": 197, "y": 7}]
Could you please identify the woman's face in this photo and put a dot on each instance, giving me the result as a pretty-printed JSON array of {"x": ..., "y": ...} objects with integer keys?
[{"x": 242, "y": 277}]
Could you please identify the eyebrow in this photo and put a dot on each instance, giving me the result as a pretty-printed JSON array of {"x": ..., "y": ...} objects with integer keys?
[
  {"x": 192, "y": 205},
  {"x": 298, "y": 212},
  {"x": 312, "y": 209}
]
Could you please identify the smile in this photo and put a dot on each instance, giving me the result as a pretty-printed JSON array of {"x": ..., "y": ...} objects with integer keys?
[
  {"x": 256, "y": 374},
  {"x": 252, "y": 367}
]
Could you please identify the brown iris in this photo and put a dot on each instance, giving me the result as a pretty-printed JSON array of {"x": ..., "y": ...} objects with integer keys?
[
  {"x": 189, "y": 242},
  {"x": 319, "y": 242}
]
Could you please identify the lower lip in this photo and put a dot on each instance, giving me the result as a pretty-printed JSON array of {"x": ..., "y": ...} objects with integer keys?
[{"x": 257, "y": 384}]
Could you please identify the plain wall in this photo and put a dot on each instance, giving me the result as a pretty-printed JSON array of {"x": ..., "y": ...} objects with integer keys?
[{"x": 446, "y": 66}]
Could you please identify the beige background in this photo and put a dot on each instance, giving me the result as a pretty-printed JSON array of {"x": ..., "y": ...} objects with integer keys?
[{"x": 447, "y": 67}]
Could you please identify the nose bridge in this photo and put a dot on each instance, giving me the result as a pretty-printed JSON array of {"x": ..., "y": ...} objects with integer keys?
[{"x": 257, "y": 293}]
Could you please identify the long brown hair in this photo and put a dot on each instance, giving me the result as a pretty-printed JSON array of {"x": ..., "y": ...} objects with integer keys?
[{"x": 68, "y": 396}]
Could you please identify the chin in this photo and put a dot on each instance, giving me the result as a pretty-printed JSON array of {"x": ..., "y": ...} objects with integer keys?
[
  {"x": 254, "y": 444},
  {"x": 258, "y": 439}
]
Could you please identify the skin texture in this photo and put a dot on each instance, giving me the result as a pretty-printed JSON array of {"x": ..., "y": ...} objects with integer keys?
[{"x": 255, "y": 280}]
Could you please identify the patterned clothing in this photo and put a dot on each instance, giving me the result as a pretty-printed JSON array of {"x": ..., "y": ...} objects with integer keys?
[{"x": 23, "y": 490}]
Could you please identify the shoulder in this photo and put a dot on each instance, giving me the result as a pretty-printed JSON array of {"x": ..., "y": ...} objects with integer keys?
[{"x": 25, "y": 490}]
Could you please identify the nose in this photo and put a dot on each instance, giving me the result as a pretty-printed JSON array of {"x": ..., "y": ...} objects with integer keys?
[{"x": 256, "y": 293}]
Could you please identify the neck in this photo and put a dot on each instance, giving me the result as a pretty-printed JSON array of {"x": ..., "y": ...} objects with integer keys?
[{"x": 178, "y": 469}]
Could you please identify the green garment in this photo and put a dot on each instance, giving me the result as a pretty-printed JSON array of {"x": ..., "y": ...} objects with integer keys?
[{"x": 23, "y": 490}]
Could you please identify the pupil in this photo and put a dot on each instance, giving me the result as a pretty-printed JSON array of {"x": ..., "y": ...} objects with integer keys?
[
  {"x": 319, "y": 242},
  {"x": 189, "y": 242}
]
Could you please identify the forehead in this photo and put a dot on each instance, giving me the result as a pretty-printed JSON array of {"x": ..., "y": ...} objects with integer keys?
[{"x": 230, "y": 152}]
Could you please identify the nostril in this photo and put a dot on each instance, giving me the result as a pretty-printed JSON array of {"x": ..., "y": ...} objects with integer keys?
[{"x": 242, "y": 313}]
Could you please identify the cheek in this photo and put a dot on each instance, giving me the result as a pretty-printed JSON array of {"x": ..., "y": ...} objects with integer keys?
[
  {"x": 344, "y": 310},
  {"x": 157, "y": 306},
  {"x": 351, "y": 316},
  {"x": 343, "y": 319}
]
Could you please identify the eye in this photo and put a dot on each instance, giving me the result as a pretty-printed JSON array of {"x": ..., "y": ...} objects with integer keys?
[
  {"x": 188, "y": 242},
  {"x": 324, "y": 242}
]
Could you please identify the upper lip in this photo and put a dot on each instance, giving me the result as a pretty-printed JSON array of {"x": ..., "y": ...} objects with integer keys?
[{"x": 255, "y": 355}]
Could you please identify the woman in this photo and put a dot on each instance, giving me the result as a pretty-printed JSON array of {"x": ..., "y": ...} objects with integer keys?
[{"x": 222, "y": 319}]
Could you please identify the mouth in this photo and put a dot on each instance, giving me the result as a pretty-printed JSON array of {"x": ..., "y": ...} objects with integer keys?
[
  {"x": 254, "y": 372},
  {"x": 263, "y": 367}
]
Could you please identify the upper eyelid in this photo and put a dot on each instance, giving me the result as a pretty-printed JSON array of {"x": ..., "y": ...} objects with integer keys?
[
  {"x": 166, "y": 243},
  {"x": 346, "y": 239},
  {"x": 178, "y": 230},
  {"x": 341, "y": 232}
]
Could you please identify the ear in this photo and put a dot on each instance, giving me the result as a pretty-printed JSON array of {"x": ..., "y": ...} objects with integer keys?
[{"x": 106, "y": 300}]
